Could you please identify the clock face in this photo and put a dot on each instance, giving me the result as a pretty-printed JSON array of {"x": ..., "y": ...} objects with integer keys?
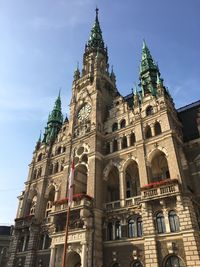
[{"x": 84, "y": 112}]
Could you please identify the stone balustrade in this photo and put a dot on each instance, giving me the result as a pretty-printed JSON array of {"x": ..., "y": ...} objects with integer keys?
[{"x": 161, "y": 191}]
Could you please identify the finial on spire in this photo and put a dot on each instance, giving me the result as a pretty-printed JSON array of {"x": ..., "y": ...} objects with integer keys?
[{"x": 97, "y": 12}]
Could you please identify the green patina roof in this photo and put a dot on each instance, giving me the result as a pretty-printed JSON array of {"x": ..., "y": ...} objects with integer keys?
[
  {"x": 54, "y": 122},
  {"x": 96, "y": 39}
]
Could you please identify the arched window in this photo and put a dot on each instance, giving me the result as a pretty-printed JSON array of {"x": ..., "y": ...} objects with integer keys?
[
  {"x": 64, "y": 149},
  {"x": 117, "y": 230},
  {"x": 39, "y": 157},
  {"x": 115, "y": 127},
  {"x": 160, "y": 223},
  {"x": 149, "y": 110},
  {"x": 132, "y": 139},
  {"x": 115, "y": 145},
  {"x": 110, "y": 231},
  {"x": 173, "y": 221},
  {"x": 139, "y": 227},
  {"x": 174, "y": 261},
  {"x": 137, "y": 264},
  {"x": 131, "y": 228},
  {"x": 157, "y": 128},
  {"x": 123, "y": 124},
  {"x": 159, "y": 167},
  {"x": 124, "y": 142},
  {"x": 148, "y": 133}
]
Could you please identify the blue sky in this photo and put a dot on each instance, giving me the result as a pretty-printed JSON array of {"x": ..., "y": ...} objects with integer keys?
[{"x": 41, "y": 42}]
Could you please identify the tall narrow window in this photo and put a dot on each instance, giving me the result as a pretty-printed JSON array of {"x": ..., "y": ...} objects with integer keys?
[
  {"x": 132, "y": 139},
  {"x": 173, "y": 221},
  {"x": 124, "y": 142},
  {"x": 160, "y": 223},
  {"x": 123, "y": 124},
  {"x": 131, "y": 228},
  {"x": 157, "y": 128},
  {"x": 139, "y": 227},
  {"x": 110, "y": 231},
  {"x": 117, "y": 230},
  {"x": 115, "y": 145},
  {"x": 148, "y": 133}
]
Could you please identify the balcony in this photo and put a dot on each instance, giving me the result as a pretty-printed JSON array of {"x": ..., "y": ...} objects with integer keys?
[
  {"x": 79, "y": 200},
  {"x": 165, "y": 188},
  {"x": 128, "y": 202}
]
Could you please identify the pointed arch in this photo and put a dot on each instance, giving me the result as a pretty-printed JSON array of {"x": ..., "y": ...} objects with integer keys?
[
  {"x": 124, "y": 142},
  {"x": 132, "y": 179},
  {"x": 112, "y": 185}
]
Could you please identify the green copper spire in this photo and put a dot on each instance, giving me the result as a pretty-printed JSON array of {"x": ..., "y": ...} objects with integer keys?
[
  {"x": 54, "y": 123},
  {"x": 96, "y": 39},
  {"x": 148, "y": 72}
]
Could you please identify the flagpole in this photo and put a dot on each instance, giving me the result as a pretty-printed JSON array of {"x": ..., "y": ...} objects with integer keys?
[
  {"x": 70, "y": 199},
  {"x": 66, "y": 238}
]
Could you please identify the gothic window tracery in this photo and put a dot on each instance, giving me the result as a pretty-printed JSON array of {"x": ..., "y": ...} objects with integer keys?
[
  {"x": 148, "y": 133},
  {"x": 33, "y": 205},
  {"x": 123, "y": 124}
]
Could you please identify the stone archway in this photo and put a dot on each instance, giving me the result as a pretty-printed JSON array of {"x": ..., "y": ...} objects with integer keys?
[{"x": 73, "y": 259}]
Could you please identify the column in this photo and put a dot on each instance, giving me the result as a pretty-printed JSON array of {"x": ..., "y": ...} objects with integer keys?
[
  {"x": 84, "y": 254},
  {"x": 111, "y": 147},
  {"x": 119, "y": 143},
  {"x": 52, "y": 256},
  {"x": 152, "y": 129},
  {"x": 128, "y": 140},
  {"x": 122, "y": 188}
]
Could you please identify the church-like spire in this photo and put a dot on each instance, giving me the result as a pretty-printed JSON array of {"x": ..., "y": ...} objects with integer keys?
[
  {"x": 54, "y": 123},
  {"x": 148, "y": 71},
  {"x": 96, "y": 39}
]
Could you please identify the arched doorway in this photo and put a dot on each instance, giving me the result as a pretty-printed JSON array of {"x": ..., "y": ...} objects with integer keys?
[
  {"x": 132, "y": 180},
  {"x": 73, "y": 259},
  {"x": 112, "y": 193},
  {"x": 80, "y": 179},
  {"x": 159, "y": 167},
  {"x": 174, "y": 261}
]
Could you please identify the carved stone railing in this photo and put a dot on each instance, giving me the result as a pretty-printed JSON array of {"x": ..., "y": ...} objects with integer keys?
[
  {"x": 112, "y": 205},
  {"x": 133, "y": 201},
  {"x": 78, "y": 201},
  {"x": 160, "y": 189}
]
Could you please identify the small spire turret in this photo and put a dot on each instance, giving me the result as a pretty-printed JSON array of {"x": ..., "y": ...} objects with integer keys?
[
  {"x": 54, "y": 123},
  {"x": 148, "y": 72},
  {"x": 77, "y": 73}
]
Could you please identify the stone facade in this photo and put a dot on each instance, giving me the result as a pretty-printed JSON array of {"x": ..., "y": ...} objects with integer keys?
[{"x": 136, "y": 200}]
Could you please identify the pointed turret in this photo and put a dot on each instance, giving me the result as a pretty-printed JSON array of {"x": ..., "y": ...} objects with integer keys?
[
  {"x": 113, "y": 76},
  {"x": 136, "y": 97},
  {"x": 148, "y": 72},
  {"x": 77, "y": 73},
  {"x": 38, "y": 143},
  {"x": 54, "y": 123},
  {"x": 96, "y": 39}
]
